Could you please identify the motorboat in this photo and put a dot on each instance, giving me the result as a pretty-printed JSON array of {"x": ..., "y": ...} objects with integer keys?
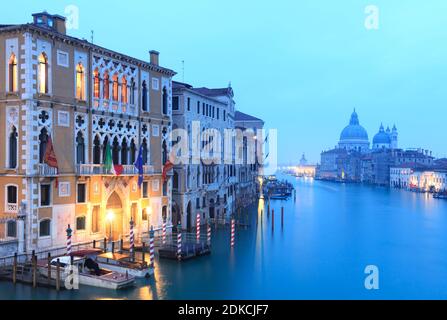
[
  {"x": 123, "y": 263},
  {"x": 90, "y": 273}
]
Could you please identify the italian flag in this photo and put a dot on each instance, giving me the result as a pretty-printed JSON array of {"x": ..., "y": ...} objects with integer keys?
[{"x": 115, "y": 169}]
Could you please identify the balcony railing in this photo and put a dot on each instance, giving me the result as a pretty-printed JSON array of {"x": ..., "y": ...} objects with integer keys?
[
  {"x": 46, "y": 171},
  {"x": 99, "y": 169},
  {"x": 12, "y": 208}
]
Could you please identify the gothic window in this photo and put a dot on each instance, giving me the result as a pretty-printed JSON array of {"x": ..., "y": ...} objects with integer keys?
[
  {"x": 11, "y": 195},
  {"x": 80, "y": 82},
  {"x": 165, "y": 101},
  {"x": 132, "y": 91},
  {"x": 106, "y": 142},
  {"x": 96, "y": 151},
  {"x": 80, "y": 148},
  {"x": 145, "y": 153},
  {"x": 124, "y": 151},
  {"x": 124, "y": 90},
  {"x": 144, "y": 96},
  {"x": 43, "y": 73},
  {"x": 133, "y": 150},
  {"x": 115, "y": 87},
  {"x": 43, "y": 139},
  {"x": 106, "y": 86},
  {"x": 115, "y": 151},
  {"x": 164, "y": 152},
  {"x": 13, "y": 73},
  {"x": 96, "y": 90},
  {"x": 13, "y": 148}
]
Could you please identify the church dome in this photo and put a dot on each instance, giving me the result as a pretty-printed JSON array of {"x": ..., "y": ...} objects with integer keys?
[
  {"x": 382, "y": 137},
  {"x": 354, "y": 131}
]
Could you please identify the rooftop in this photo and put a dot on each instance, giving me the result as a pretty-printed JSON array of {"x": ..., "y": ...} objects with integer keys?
[{"x": 240, "y": 116}]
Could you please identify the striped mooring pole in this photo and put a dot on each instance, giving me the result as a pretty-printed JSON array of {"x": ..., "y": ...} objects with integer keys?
[
  {"x": 198, "y": 228},
  {"x": 69, "y": 232},
  {"x": 164, "y": 232},
  {"x": 208, "y": 234},
  {"x": 132, "y": 239},
  {"x": 151, "y": 247},
  {"x": 179, "y": 241},
  {"x": 233, "y": 230}
]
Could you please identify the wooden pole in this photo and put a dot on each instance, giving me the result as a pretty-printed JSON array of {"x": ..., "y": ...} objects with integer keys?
[
  {"x": 121, "y": 245},
  {"x": 105, "y": 244},
  {"x": 49, "y": 268},
  {"x": 94, "y": 244},
  {"x": 34, "y": 271},
  {"x": 113, "y": 247},
  {"x": 58, "y": 275},
  {"x": 273, "y": 219},
  {"x": 143, "y": 249},
  {"x": 14, "y": 269}
]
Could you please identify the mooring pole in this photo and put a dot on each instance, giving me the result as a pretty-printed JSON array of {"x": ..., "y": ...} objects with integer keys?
[
  {"x": 233, "y": 232},
  {"x": 282, "y": 217},
  {"x": 179, "y": 242},
  {"x": 143, "y": 250},
  {"x": 151, "y": 247},
  {"x": 58, "y": 275},
  {"x": 34, "y": 271},
  {"x": 49, "y": 268},
  {"x": 273, "y": 219},
  {"x": 105, "y": 244},
  {"x": 14, "y": 269}
]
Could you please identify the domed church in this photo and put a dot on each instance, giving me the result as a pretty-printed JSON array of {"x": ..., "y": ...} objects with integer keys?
[
  {"x": 354, "y": 137},
  {"x": 385, "y": 139}
]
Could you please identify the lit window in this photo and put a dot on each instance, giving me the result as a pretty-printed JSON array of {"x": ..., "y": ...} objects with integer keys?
[
  {"x": 43, "y": 73},
  {"x": 80, "y": 82},
  {"x": 96, "y": 84},
  {"x": 124, "y": 90},
  {"x": 105, "y": 89},
  {"x": 115, "y": 87},
  {"x": 80, "y": 223},
  {"x": 13, "y": 73}
]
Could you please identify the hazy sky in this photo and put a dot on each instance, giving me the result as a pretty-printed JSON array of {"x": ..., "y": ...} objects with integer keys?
[{"x": 302, "y": 66}]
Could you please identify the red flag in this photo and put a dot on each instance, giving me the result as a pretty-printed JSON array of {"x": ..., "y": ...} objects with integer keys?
[
  {"x": 50, "y": 157},
  {"x": 168, "y": 166}
]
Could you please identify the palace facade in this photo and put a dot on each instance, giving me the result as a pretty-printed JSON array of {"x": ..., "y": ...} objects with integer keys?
[{"x": 81, "y": 97}]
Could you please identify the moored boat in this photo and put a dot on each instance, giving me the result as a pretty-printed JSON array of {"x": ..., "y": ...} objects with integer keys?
[
  {"x": 90, "y": 274},
  {"x": 123, "y": 263}
]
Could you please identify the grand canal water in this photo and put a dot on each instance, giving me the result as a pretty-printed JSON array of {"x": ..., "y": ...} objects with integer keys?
[{"x": 330, "y": 234}]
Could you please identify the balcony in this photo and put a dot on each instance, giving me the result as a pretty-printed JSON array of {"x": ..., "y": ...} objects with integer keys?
[
  {"x": 99, "y": 169},
  {"x": 45, "y": 171},
  {"x": 12, "y": 208}
]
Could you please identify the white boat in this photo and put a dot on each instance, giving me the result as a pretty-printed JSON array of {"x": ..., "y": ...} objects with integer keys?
[
  {"x": 123, "y": 263},
  {"x": 99, "y": 277}
]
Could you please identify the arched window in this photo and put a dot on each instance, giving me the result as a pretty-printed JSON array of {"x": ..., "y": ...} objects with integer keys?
[
  {"x": 145, "y": 153},
  {"x": 80, "y": 148},
  {"x": 124, "y": 151},
  {"x": 11, "y": 229},
  {"x": 45, "y": 228},
  {"x": 115, "y": 151},
  {"x": 133, "y": 152},
  {"x": 96, "y": 151},
  {"x": 164, "y": 152},
  {"x": 115, "y": 87},
  {"x": 11, "y": 198},
  {"x": 43, "y": 73},
  {"x": 165, "y": 101},
  {"x": 13, "y": 148},
  {"x": 144, "y": 96},
  {"x": 96, "y": 89},
  {"x": 124, "y": 90},
  {"x": 80, "y": 82},
  {"x": 104, "y": 148},
  {"x": 13, "y": 73},
  {"x": 175, "y": 181},
  {"x": 106, "y": 86},
  {"x": 43, "y": 139},
  {"x": 132, "y": 91}
]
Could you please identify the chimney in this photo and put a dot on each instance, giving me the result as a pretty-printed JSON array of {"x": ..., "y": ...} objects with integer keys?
[{"x": 154, "y": 57}]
